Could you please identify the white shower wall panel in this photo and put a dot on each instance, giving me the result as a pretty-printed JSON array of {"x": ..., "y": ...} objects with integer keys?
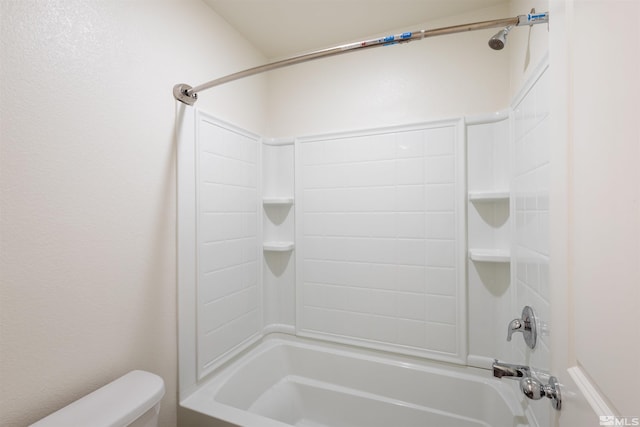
[
  {"x": 531, "y": 194},
  {"x": 229, "y": 303},
  {"x": 530, "y": 265},
  {"x": 380, "y": 241}
]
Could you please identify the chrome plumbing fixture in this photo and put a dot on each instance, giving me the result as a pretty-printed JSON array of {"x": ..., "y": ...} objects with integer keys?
[
  {"x": 530, "y": 386},
  {"x": 498, "y": 41},
  {"x": 534, "y": 389},
  {"x": 527, "y": 325},
  {"x": 508, "y": 370}
]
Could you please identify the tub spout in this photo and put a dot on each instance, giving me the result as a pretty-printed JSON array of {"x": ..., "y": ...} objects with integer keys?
[{"x": 501, "y": 369}]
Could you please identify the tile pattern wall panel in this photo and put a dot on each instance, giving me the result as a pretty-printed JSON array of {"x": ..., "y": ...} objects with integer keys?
[
  {"x": 379, "y": 244},
  {"x": 530, "y": 268},
  {"x": 228, "y": 294}
]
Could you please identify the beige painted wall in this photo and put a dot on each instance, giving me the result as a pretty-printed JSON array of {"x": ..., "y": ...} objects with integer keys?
[
  {"x": 603, "y": 146},
  {"x": 595, "y": 210},
  {"x": 87, "y": 188},
  {"x": 424, "y": 80}
]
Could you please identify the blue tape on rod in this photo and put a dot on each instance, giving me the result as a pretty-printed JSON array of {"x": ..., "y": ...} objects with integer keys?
[{"x": 536, "y": 17}]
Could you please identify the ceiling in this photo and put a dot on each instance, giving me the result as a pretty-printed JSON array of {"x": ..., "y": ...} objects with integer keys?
[{"x": 281, "y": 28}]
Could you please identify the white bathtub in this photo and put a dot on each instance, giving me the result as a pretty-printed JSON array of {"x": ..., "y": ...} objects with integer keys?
[{"x": 286, "y": 381}]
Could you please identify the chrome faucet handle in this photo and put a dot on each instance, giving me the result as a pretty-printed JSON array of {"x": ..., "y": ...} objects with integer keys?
[
  {"x": 526, "y": 325},
  {"x": 534, "y": 389},
  {"x": 514, "y": 326}
]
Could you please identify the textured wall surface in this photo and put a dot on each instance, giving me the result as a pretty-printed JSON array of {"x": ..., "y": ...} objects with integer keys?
[{"x": 87, "y": 188}]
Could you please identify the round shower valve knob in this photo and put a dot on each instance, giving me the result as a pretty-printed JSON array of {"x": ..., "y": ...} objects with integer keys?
[{"x": 535, "y": 390}]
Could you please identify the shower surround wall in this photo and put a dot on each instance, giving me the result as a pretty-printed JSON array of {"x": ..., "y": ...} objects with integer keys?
[
  {"x": 413, "y": 82},
  {"x": 530, "y": 199},
  {"x": 379, "y": 248},
  {"x": 229, "y": 296},
  {"x": 380, "y": 260},
  {"x": 379, "y": 255}
]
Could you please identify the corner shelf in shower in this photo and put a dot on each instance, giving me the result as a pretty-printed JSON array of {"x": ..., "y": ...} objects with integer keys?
[
  {"x": 489, "y": 196},
  {"x": 277, "y": 201},
  {"x": 278, "y": 246},
  {"x": 490, "y": 255}
]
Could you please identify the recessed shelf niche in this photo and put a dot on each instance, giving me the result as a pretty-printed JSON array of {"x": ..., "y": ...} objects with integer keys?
[
  {"x": 278, "y": 231},
  {"x": 488, "y": 237}
]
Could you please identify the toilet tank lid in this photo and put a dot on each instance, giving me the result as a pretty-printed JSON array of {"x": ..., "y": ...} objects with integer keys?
[{"x": 116, "y": 404}]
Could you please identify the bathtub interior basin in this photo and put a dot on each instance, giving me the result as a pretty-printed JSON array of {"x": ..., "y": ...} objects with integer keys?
[{"x": 287, "y": 381}]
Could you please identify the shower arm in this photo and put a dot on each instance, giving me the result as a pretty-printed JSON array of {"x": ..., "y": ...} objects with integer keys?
[{"x": 189, "y": 95}]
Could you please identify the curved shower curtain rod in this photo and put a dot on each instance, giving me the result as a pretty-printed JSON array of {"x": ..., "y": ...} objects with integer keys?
[{"x": 189, "y": 95}]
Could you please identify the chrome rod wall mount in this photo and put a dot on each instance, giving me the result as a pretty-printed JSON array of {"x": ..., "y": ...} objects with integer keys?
[{"x": 189, "y": 95}]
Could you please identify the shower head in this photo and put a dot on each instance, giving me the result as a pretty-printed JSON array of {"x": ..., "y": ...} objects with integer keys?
[{"x": 498, "y": 41}]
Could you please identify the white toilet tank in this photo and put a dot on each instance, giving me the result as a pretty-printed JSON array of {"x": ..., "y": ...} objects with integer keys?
[{"x": 131, "y": 400}]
